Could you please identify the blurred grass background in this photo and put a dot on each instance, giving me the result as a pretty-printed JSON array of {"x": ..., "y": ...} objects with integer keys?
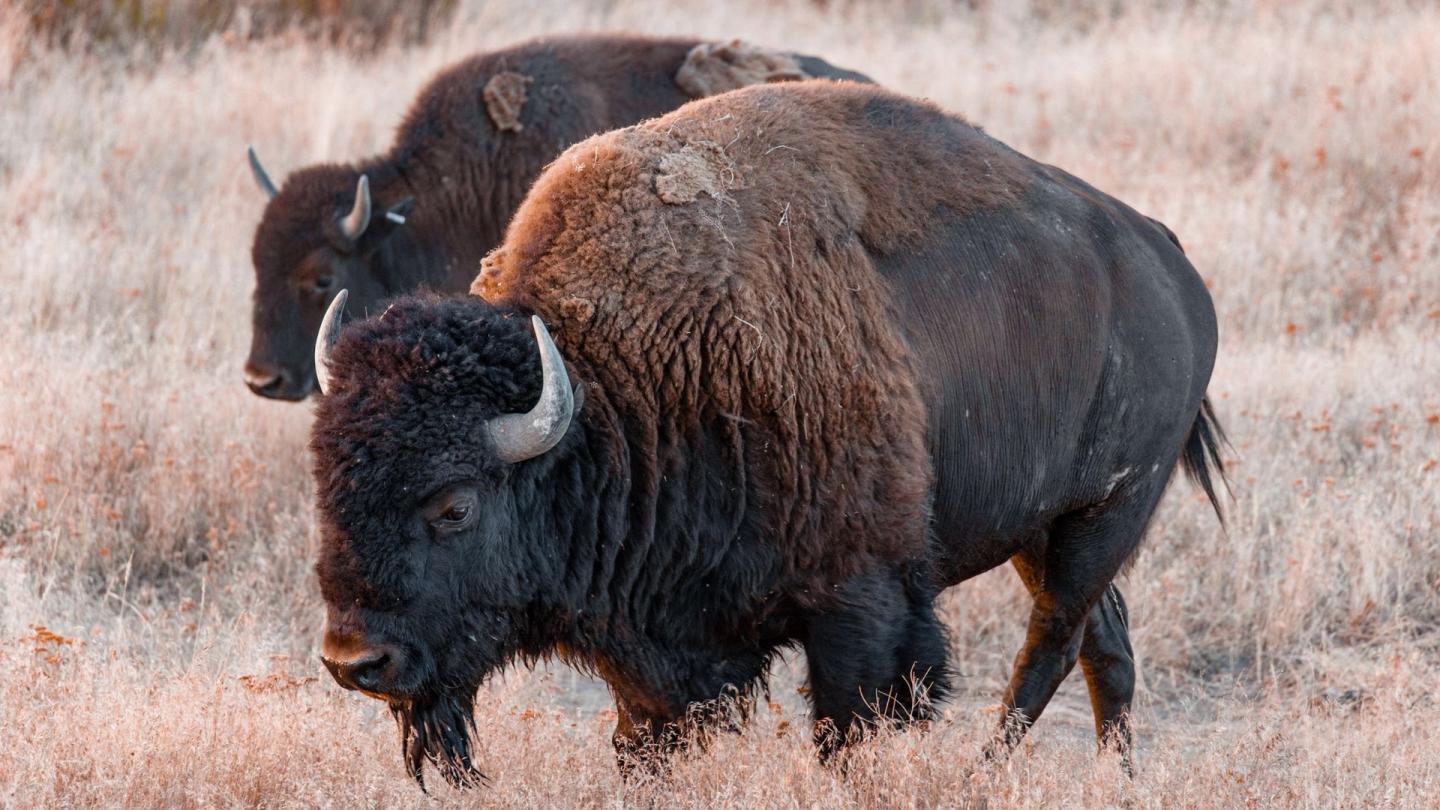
[{"x": 158, "y": 615}]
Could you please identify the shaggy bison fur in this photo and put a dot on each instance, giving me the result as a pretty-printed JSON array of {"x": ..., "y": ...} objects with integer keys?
[
  {"x": 839, "y": 350},
  {"x": 475, "y": 138}
]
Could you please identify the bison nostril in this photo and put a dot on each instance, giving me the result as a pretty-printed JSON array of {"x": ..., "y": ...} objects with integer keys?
[
  {"x": 371, "y": 671},
  {"x": 264, "y": 381}
]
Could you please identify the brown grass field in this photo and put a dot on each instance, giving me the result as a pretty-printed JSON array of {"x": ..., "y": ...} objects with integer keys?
[{"x": 159, "y": 622}]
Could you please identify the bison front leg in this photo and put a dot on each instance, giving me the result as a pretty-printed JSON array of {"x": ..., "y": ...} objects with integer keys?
[
  {"x": 709, "y": 695},
  {"x": 643, "y": 742},
  {"x": 877, "y": 656}
]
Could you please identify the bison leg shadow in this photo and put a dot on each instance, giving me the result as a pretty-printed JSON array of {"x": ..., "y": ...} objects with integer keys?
[{"x": 877, "y": 658}]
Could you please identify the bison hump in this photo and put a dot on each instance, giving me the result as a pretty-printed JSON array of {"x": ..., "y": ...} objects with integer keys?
[{"x": 718, "y": 67}]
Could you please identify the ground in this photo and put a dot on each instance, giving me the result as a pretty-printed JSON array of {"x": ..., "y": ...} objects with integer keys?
[{"x": 159, "y": 621}]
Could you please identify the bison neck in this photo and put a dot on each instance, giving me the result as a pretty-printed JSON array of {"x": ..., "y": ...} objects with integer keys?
[
  {"x": 444, "y": 236},
  {"x": 663, "y": 586},
  {"x": 415, "y": 259}
]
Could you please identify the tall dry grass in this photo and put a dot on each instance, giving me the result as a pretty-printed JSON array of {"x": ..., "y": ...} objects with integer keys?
[{"x": 158, "y": 621}]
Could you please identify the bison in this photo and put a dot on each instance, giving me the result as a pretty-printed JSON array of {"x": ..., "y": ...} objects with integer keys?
[
  {"x": 833, "y": 350},
  {"x": 422, "y": 215}
]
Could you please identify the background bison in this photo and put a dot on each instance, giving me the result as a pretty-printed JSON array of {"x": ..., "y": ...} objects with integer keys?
[
  {"x": 477, "y": 135},
  {"x": 839, "y": 351}
]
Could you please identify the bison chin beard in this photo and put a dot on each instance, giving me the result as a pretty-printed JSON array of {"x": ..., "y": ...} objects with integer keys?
[{"x": 438, "y": 728}]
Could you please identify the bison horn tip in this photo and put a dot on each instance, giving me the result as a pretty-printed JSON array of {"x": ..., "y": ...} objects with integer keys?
[
  {"x": 262, "y": 178},
  {"x": 328, "y": 337},
  {"x": 354, "y": 224}
]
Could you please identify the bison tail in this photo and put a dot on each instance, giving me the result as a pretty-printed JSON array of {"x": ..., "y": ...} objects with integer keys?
[{"x": 1201, "y": 456}]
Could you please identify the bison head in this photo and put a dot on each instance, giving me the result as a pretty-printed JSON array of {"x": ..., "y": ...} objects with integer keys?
[
  {"x": 320, "y": 233},
  {"x": 434, "y": 441}
]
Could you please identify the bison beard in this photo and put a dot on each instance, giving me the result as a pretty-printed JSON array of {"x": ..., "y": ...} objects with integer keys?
[{"x": 438, "y": 728}]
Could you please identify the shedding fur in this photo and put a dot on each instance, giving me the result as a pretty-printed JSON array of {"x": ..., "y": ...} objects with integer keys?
[
  {"x": 712, "y": 68},
  {"x": 681, "y": 176},
  {"x": 504, "y": 98},
  {"x": 844, "y": 482}
]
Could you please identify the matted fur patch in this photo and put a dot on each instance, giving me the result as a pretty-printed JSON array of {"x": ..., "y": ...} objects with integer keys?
[
  {"x": 577, "y": 309},
  {"x": 504, "y": 97},
  {"x": 695, "y": 168},
  {"x": 718, "y": 67}
]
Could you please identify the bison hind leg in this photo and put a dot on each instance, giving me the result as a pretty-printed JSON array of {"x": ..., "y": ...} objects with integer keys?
[
  {"x": 1079, "y": 613},
  {"x": 1106, "y": 657},
  {"x": 877, "y": 658}
]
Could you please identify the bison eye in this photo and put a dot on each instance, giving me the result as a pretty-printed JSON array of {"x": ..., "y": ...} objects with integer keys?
[
  {"x": 453, "y": 511},
  {"x": 324, "y": 283}
]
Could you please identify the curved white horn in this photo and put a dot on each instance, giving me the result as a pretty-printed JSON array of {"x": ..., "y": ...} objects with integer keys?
[
  {"x": 521, "y": 436},
  {"x": 355, "y": 222},
  {"x": 258, "y": 172},
  {"x": 325, "y": 341}
]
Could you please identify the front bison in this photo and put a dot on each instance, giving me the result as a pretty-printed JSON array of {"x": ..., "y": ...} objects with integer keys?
[{"x": 820, "y": 351}]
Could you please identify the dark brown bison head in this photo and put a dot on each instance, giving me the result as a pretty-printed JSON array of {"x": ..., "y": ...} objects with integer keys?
[
  {"x": 320, "y": 233},
  {"x": 435, "y": 450}
]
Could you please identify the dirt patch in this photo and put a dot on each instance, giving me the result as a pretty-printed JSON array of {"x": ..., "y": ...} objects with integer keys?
[
  {"x": 684, "y": 174},
  {"x": 577, "y": 310},
  {"x": 718, "y": 67},
  {"x": 504, "y": 97}
]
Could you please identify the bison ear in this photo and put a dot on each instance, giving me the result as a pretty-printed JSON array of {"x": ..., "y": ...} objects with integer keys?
[
  {"x": 386, "y": 224},
  {"x": 377, "y": 229},
  {"x": 397, "y": 213}
]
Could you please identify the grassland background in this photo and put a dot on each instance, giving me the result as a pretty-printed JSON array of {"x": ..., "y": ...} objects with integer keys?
[{"x": 158, "y": 618}]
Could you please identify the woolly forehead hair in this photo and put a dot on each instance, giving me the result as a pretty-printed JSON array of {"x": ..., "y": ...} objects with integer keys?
[
  {"x": 296, "y": 216},
  {"x": 411, "y": 376}
]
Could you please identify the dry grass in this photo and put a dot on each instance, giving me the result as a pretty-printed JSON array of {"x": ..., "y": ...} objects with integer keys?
[{"x": 155, "y": 519}]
